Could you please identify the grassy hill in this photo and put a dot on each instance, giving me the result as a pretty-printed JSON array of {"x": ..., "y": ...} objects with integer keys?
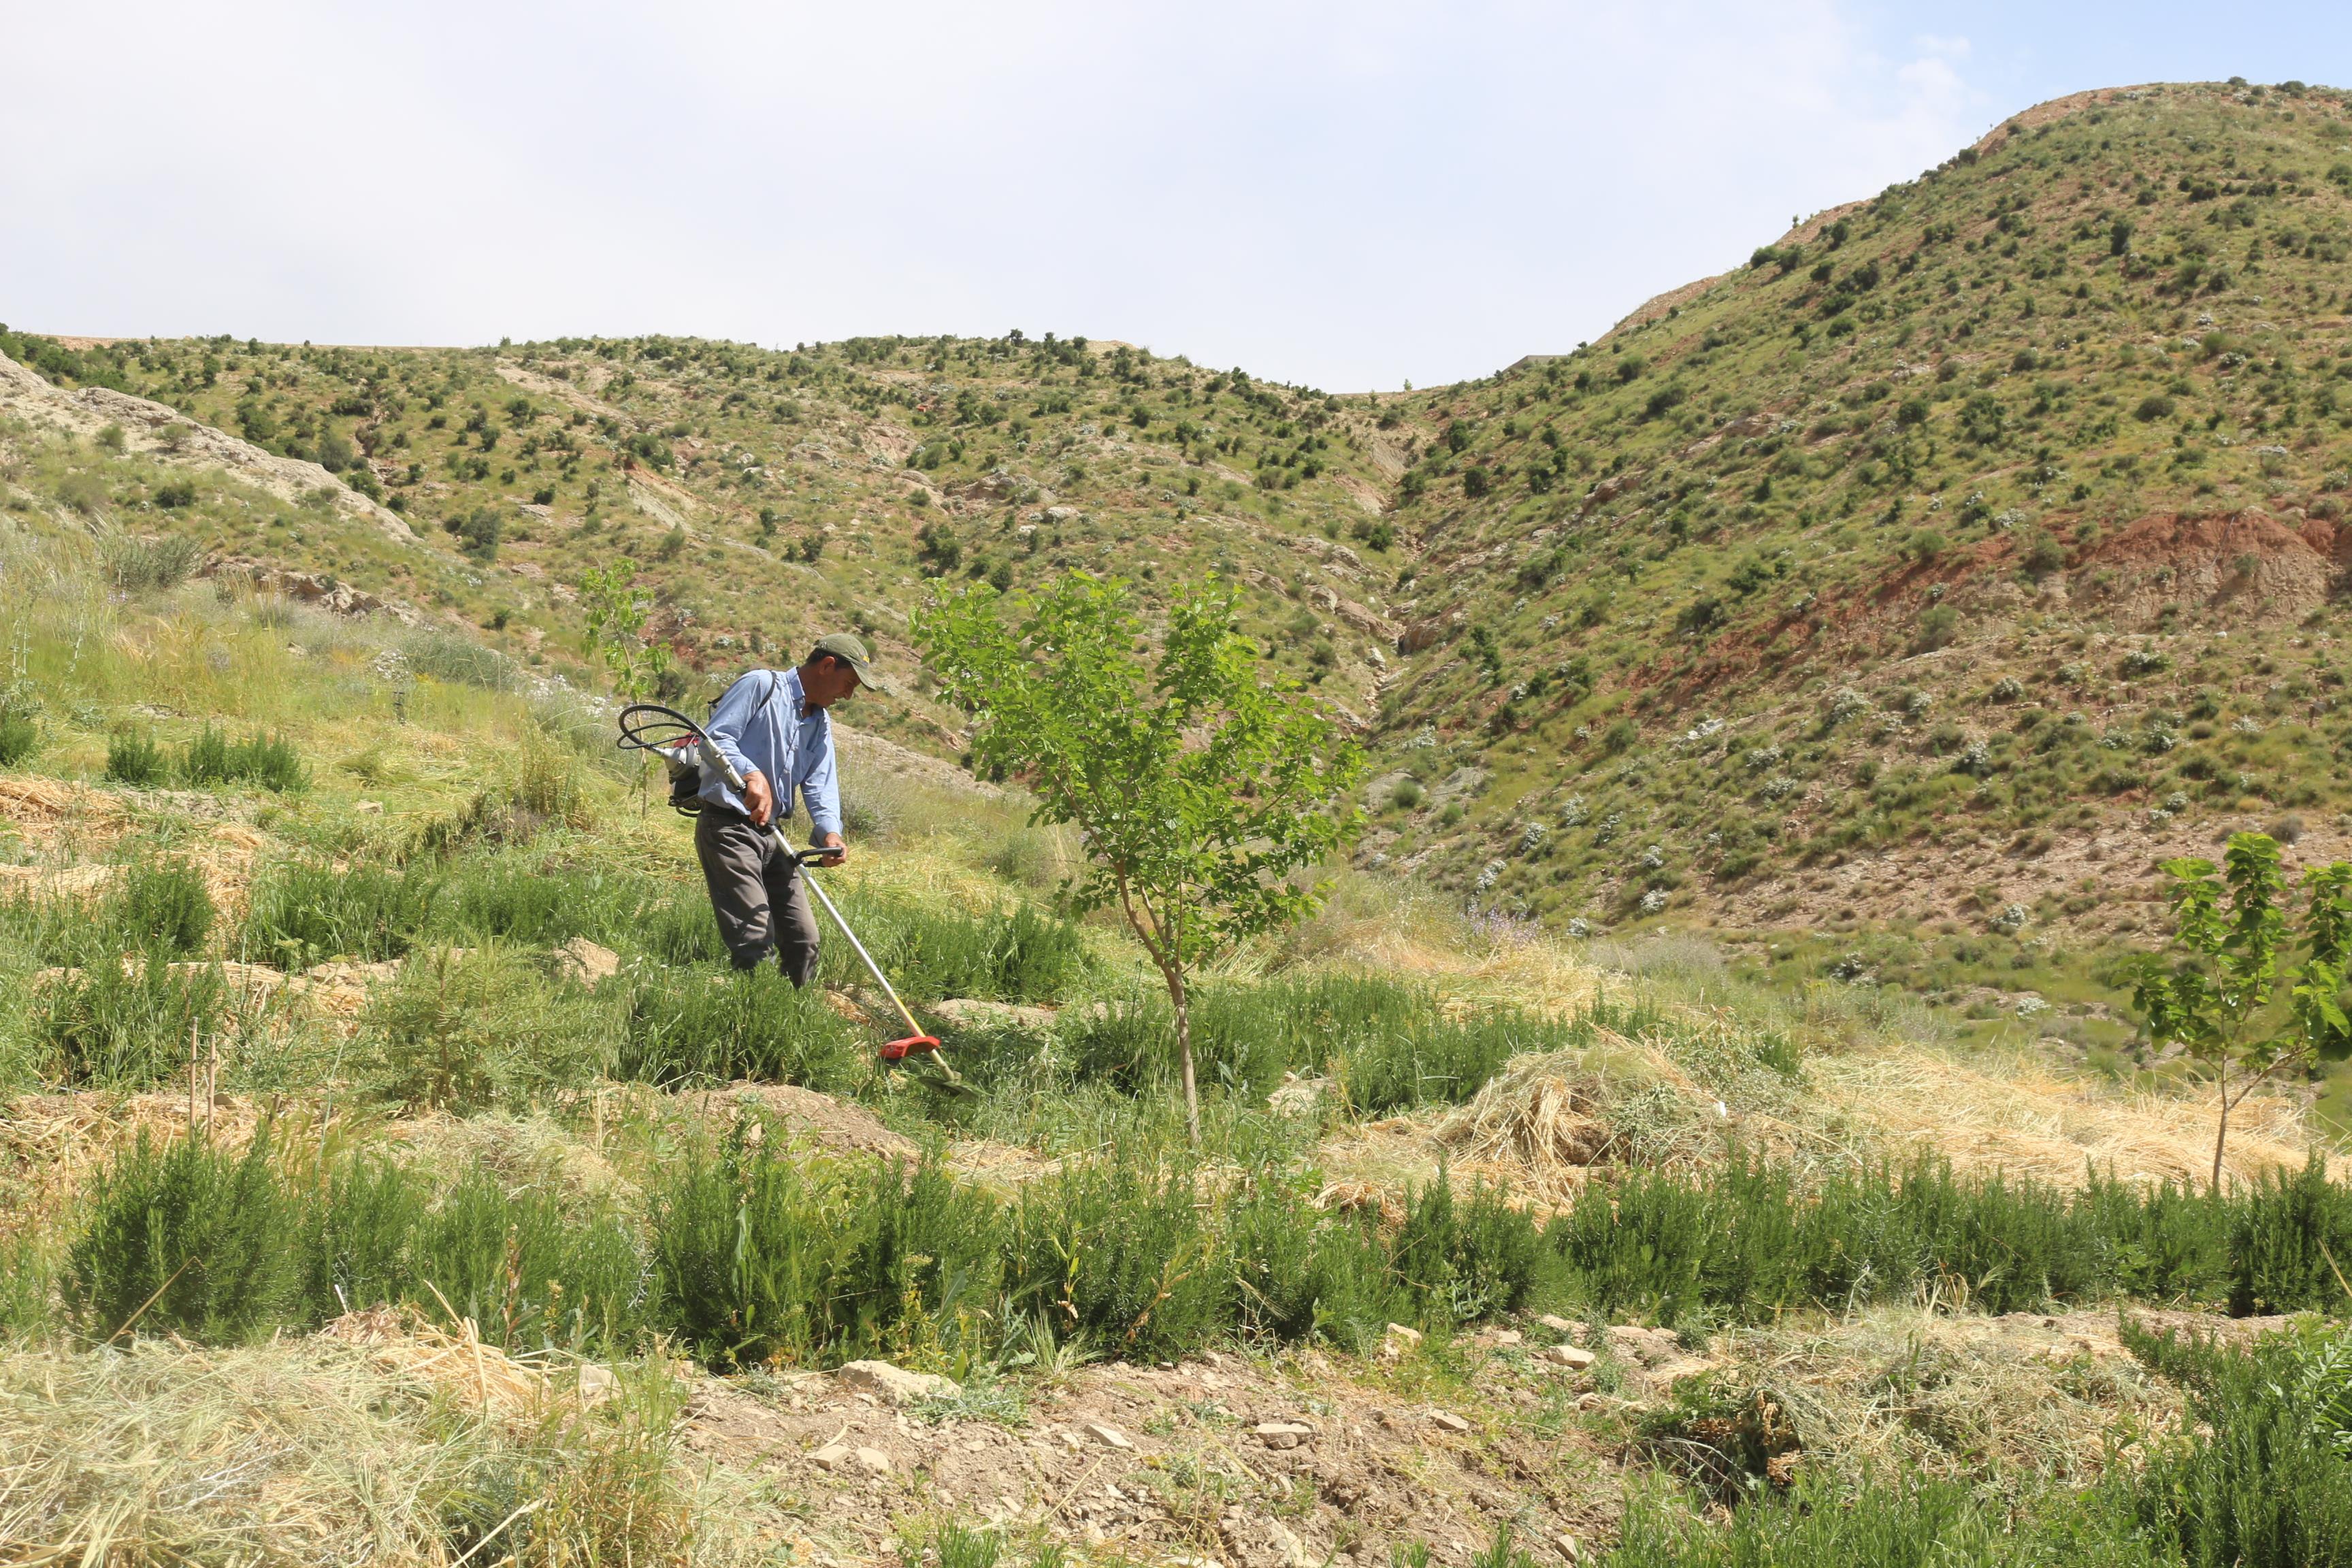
[
  {"x": 496, "y": 1216},
  {"x": 1936, "y": 571},
  {"x": 1892, "y": 603}
]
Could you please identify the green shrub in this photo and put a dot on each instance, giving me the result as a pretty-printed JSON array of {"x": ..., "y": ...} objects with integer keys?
[
  {"x": 27, "y": 1280},
  {"x": 269, "y": 761},
  {"x": 529, "y": 1274},
  {"x": 1006, "y": 956},
  {"x": 2259, "y": 1479},
  {"x": 1388, "y": 1042},
  {"x": 1459, "y": 1263},
  {"x": 515, "y": 900},
  {"x": 2288, "y": 1235},
  {"x": 356, "y": 1234},
  {"x": 460, "y": 660},
  {"x": 301, "y": 913},
  {"x": 133, "y": 757},
  {"x": 761, "y": 1258},
  {"x": 1884, "y": 1522},
  {"x": 679, "y": 930},
  {"x": 461, "y": 1034},
  {"x": 126, "y": 1022},
  {"x": 19, "y": 739},
  {"x": 1749, "y": 1241},
  {"x": 684, "y": 1025},
  {"x": 149, "y": 565},
  {"x": 188, "y": 1238},
  {"x": 1121, "y": 1253},
  {"x": 162, "y": 904}
]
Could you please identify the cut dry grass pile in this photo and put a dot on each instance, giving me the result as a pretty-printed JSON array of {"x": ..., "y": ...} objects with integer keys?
[
  {"x": 52, "y": 1144},
  {"x": 46, "y": 813},
  {"x": 1544, "y": 1121},
  {"x": 381, "y": 1443},
  {"x": 1914, "y": 1390},
  {"x": 2013, "y": 1111}
]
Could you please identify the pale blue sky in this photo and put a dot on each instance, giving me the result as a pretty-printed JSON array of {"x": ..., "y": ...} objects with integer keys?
[{"x": 1343, "y": 195}]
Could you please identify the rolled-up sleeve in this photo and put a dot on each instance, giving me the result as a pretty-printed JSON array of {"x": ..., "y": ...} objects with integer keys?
[
  {"x": 735, "y": 711},
  {"x": 820, "y": 787}
]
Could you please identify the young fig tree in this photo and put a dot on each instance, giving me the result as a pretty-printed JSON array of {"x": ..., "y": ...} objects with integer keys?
[
  {"x": 2230, "y": 996},
  {"x": 1200, "y": 782}
]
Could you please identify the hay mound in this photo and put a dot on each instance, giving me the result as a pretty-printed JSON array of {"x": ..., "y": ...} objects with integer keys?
[{"x": 1543, "y": 1123}]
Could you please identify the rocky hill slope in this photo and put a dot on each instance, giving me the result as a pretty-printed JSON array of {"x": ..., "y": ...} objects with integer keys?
[
  {"x": 1965, "y": 550},
  {"x": 1933, "y": 574}
]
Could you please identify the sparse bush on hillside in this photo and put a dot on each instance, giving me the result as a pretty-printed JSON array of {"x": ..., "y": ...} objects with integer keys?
[
  {"x": 133, "y": 758},
  {"x": 139, "y": 565}
]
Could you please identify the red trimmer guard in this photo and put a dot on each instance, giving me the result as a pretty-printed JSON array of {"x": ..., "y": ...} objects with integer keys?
[{"x": 913, "y": 1045}]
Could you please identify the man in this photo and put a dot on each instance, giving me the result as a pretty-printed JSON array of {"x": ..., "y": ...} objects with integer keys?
[{"x": 775, "y": 728}]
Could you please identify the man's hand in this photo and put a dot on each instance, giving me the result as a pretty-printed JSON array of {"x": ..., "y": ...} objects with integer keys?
[
  {"x": 758, "y": 800},
  {"x": 830, "y": 841}
]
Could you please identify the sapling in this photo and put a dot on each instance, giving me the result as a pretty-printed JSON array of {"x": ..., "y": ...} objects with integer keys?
[
  {"x": 1199, "y": 781},
  {"x": 2229, "y": 997}
]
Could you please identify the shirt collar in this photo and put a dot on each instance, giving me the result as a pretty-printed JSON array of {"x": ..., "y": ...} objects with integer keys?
[{"x": 799, "y": 698}]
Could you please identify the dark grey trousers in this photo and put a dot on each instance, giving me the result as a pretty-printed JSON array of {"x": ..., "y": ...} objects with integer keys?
[{"x": 757, "y": 893}]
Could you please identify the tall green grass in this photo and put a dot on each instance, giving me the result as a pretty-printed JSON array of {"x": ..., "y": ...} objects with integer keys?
[
  {"x": 762, "y": 1258},
  {"x": 462, "y": 1032},
  {"x": 1005, "y": 955},
  {"x": 268, "y": 760},
  {"x": 1753, "y": 1239},
  {"x": 301, "y": 913},
  {"x": 186, "y": 1236},
  {"x": 680, "y": 1025},
  {"x": 1388, "y": 1043},
  {"x": 749, "y": 1252},
  {"x": 224, "y": 1247},
  {"x": 128, "y": 1021}
]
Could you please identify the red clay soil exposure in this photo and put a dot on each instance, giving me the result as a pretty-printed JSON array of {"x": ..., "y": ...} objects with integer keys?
[{"x": 2257, "y": 566}]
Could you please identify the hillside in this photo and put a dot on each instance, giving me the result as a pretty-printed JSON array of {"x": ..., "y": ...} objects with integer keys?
[
  {"x": 1895, "y": 600},
  {"x": 1968, "y": 549},
  {"x": 391, "y": 1170},
  {"x": 764, "y": 497}
]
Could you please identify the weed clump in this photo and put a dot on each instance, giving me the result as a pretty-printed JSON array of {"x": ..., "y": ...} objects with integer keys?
[
  {"x": 133, "y": 758},
  {"x": 126, "y": 1022},
  {"x": 464, "y": 1033},
  {"x": 267, "y": 760},
  {"x": 302, "y": 913}
]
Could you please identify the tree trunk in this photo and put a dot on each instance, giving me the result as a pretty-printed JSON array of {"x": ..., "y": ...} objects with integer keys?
[
  {"x": 2221, "y": 1129},
  {"x": 1176, "y": 994}
]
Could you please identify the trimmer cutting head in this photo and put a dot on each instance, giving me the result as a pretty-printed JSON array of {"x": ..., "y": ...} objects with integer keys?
[{"x": 913, "y": 1045}]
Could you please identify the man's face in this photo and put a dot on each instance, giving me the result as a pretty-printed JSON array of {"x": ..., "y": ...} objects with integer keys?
[{"x": 826, "y": 680}]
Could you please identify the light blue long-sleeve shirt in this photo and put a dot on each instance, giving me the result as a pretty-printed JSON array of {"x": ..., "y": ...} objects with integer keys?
[{"x": 761, "y": 726}]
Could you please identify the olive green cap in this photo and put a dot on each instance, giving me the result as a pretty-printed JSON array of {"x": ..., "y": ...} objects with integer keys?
[{"x": 851, "y": 651}]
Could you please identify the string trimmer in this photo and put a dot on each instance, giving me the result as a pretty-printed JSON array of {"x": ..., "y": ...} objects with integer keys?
[{"x": 686, "y": 749}]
